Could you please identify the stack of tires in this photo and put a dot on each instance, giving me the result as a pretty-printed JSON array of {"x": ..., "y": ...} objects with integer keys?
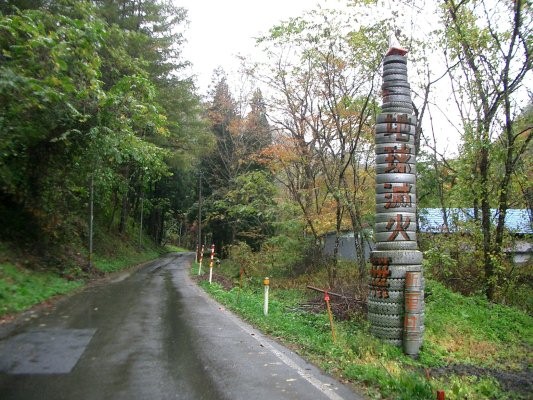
[{"x": 396, "y": 251}]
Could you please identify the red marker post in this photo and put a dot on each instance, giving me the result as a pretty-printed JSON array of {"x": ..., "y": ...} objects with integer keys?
[
  {"x": 326, "y": 299},
  {"x": 211, "y": 263}
]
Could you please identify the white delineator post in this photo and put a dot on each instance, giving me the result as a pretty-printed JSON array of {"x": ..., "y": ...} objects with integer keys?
[
  {"x": 266, "y": 285},
  {"x": 211, "y": 263}
]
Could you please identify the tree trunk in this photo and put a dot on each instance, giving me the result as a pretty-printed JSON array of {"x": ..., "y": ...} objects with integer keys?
[
  {"x": 91, "y": 220},
  {"x": 123, "y": 213},
  {"x": 332, "y": 269},
  {"x": 115, "y": 205},
  {"x": 488, "y": 261}
]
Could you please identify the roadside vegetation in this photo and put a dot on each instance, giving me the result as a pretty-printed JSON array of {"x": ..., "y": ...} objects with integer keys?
[
  {"x": 21, "y": 288},
  {"x": 472, "y": 349},
  {"x": 26, "y": 281}
]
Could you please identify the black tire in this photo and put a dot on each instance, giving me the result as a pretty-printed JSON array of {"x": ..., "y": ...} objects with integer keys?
[
  {"x": 386, "y": 333},
  {"x": 394, "y": 59},
  {"x": 393, "y": 71},
  {"x": 389, "y": 109},
  {"x": 398, "y": 98},
  {"x": 395, "y": 78},
  {"x": 395, "y": 84},
  {"x": 395, "y": 66},
  {"x": 400, "y": 90}
]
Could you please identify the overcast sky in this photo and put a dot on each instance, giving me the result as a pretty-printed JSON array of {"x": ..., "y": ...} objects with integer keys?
[{"x": 221, "y": 29}]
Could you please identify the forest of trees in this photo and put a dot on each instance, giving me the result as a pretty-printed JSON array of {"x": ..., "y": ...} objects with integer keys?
[
  {"x": 93, "y": 101},
  {"x": 98, "y": 113}
]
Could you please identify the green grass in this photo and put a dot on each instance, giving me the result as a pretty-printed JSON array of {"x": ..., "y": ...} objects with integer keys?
[
  {"x": 123, "y": 261},
  {"x": 129, "y": 258},
  {"x": 459, "y": 330},
  {"x": 169, "y": 248},
  {"x": 21, "y": 288},
  {"x": 473, "y": 331}
]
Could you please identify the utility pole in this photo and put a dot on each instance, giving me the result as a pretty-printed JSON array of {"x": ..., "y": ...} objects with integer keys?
[
  {"x": 141, "y": 220},
  {"x": 91, "y": 220},
  {"x": 199, "y": 212}
]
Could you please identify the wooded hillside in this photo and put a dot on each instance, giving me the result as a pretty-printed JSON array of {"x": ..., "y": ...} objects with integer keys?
[{"x": 100, "y": 123}]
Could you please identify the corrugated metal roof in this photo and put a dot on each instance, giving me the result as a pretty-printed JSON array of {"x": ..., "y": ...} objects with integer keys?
[{"x": 432, "y": 220}]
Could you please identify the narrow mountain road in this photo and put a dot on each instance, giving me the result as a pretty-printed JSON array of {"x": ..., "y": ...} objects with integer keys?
[{"x": 151, "y": 334}]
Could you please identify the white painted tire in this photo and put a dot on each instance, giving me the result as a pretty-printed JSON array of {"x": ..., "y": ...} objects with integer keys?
[
  {"x": 394, "y": 139},
  {"x": 381, "y": 198},
  {"x": 385, "y": 217},
  {"x": 393, "y": 296},
  {"x": 386, "y": 321},
  {"x": 400, "y": 209},
  {"x": 407, "y": 257},
  {"x": 385, "y": 188},
  {"x": 405, "y": 168},
  {"x": 397, "y": 245},
  {"x": 391, "y": 283},
  {"x": 390, "y": 308},
  {"x": 399, "y": 271},
  {"x": 395, "y": 117},
  {"x": 396, "y": 178},
  {"x": 394, "y": 127},
  {"x": 381, "y": 227}
]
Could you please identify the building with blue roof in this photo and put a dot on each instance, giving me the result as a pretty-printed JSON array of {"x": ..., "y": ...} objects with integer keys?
[{"x": 431, "y": 220}]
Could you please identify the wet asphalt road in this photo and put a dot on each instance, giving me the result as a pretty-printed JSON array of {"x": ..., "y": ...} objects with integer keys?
[{"x": 151, "y": 334}]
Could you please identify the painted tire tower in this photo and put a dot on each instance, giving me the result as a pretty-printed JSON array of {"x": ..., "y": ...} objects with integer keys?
[{"x": 396, "y": 287}]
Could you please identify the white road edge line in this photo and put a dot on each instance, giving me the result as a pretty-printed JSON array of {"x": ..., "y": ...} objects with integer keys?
[{"x": 326, "y": 389}]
